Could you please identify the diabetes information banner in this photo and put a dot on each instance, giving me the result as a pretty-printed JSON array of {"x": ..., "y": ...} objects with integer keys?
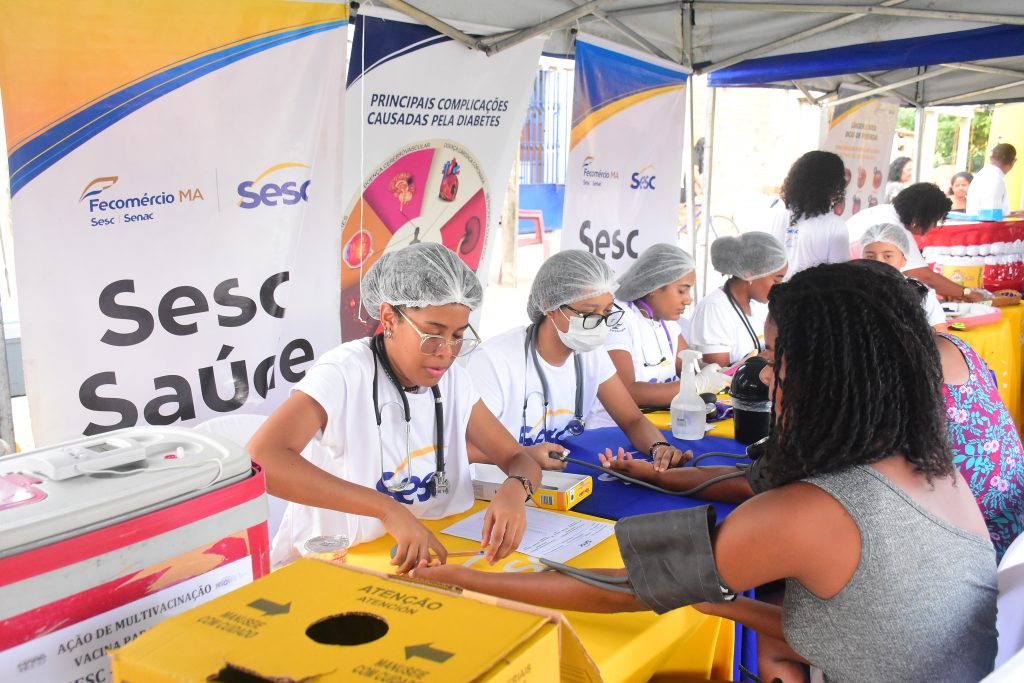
[
  {"x": 432, "y": 134},
  {"x": 625, "y": 160},
  {"x": 174, "y": 171},
  {"x": 861, "y": 133}
]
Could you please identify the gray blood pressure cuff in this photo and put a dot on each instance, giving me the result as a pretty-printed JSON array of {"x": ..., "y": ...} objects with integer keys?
[
  {"x": 757, "y": 476},
  {"x": 669, "y": 560}
]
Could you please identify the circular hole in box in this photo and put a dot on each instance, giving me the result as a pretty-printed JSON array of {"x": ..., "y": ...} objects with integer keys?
[{"x": 350, "y": 628}]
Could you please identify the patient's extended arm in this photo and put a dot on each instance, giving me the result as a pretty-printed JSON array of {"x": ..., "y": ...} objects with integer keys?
[
  {"x": 546, "y": 589},
  {"x": 735, "y": 490}
]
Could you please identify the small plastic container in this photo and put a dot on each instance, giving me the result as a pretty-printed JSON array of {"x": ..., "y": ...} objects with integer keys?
[
  {"x": 752, "y": 420},
  {"x": 333, "y": 549},
  {"x": 752, "y": 407}
]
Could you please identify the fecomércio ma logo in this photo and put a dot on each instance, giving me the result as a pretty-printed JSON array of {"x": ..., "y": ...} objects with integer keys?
[
  {"x": 285, "y": 184},
  {"x": 593, "y": 175},
  {"x": 108, "y": 207}
]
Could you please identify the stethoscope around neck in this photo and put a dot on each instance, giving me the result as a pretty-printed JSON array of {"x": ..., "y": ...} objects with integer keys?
[
  {"x": 439, "y": 483},
  {"x": 743, "y": 318},
  {"x": 640, "y": 303},
  {"x": 577, "y": 424}
]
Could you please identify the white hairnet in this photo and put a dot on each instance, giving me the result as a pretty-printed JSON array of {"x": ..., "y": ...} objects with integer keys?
[
  {"x": 567, "y": 277},
  {"x": 658, "y": 266},
  {"x": 423, "y": 274},
  {"x": 748, "y": 256},
  {"x": 888, "y": 233}
]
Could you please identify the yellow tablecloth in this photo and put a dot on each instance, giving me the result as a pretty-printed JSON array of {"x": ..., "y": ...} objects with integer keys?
[
  {"x": 1001, "y": 344},
  {"x": 626, "y": 647}
]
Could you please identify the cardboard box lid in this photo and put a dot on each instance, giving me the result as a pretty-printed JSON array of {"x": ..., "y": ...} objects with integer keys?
[{"x": 270, "y": 628}]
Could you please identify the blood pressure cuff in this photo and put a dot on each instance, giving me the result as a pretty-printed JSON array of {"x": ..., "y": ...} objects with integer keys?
[
  {"x": 757, "y": 476},
  {"x": 668, "y": 558}
]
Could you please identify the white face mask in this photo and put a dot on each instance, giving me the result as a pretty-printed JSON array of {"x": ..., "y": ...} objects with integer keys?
[{"x": 579, "y": 339}]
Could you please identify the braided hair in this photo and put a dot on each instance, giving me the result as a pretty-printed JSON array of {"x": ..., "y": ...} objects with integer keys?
[
  {"x": 816, "y": 182},
  {"x": 858, "y": 372}
]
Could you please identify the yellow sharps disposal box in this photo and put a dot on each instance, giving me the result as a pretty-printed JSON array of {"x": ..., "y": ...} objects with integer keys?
[{"x": 314, "y": 621}]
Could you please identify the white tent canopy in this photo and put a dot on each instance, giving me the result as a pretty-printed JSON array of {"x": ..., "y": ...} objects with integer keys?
[{"x": 745, "y": 43}]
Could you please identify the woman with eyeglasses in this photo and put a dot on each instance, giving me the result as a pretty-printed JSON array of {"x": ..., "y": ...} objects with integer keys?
[
  {"x": 387, "y": 420},
  {"x": 890, "y": 244},
  {"x": 728, "y": 323},
  {"x": 653, "y": 293},
  {"x": 544, "y": 381}
]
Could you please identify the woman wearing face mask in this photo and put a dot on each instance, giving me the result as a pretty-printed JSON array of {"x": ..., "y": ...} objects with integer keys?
[
  {"x": 729, "y": 322},
  {"x": 388, "y": 419},
  {"x": 645, "y": 343},
  {"x": 544, "y": 380}
]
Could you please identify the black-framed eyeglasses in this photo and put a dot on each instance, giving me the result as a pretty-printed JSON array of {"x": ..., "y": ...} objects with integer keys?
[
  {"x": 592, "y": 320},
  {"x": 433, "y": 344}
]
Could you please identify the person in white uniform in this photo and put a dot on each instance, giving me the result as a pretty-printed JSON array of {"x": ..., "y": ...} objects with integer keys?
[
  {"x": 988, "y": 189},
  {"x": 644, "y": 345},
  {"x": 544, "y": 380},
  {"x": 806, "y": 224},
  {"x": 919, "y": 208},
  {"x": 728, "y": 323},
  {"x": 889, "y": 243},
  {"x": 387, "y": 420}
]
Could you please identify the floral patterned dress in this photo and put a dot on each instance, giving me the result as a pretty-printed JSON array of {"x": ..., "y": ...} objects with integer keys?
[{"x": 986, "y": 448}]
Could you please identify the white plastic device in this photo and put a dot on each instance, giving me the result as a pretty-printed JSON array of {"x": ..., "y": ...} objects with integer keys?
[
  {"x": 96, "y": 481},
  {"x": 71, "y": 461}
]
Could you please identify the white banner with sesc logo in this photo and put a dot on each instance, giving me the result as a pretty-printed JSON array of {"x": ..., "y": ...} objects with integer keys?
[
  {"x": 177, "y": 236},
  {"x": 625, "y": 158}
]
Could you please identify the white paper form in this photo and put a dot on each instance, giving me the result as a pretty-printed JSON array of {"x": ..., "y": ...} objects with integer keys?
[{"x": 548, "y": 534}]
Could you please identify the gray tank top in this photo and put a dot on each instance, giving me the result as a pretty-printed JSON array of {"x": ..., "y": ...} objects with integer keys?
[{"x": 921, "y": 605}]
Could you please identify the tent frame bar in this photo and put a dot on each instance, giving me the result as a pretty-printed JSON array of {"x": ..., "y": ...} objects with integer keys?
[
  {"x": 433, "y": 22},
  {"x": 971, "y": 17},
  {"x": 975, "y": 93},
  {"x": 985, "y": 69},
  {"x": 629, "y": 33},
  {"x": 891, "y": 86},
  {"x": 502, "y": 41},
  {"x": 877, "y": 83},
  {"x": 794, "y": 38}
]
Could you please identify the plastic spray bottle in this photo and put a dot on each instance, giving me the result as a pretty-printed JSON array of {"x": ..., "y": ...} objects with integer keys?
[{"x": 688, "y": 412}]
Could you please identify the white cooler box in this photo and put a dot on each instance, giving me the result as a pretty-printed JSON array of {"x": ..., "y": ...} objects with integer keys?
[{"x": 103, "y": 537}]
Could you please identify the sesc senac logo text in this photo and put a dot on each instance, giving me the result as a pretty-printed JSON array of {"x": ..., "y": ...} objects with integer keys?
[
  {"x": 256, "y": 193},
  {"x": 642, "y": 179}
]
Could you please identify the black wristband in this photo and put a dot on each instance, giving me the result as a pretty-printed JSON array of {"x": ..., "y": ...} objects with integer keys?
[
  {"x": 650, "y": 451},
  {"x": 527, "y": 484}
]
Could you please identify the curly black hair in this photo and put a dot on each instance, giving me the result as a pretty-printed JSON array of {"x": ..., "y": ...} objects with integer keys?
[
  {"x": 921, "y": 206},
  {"x": 896, "y": 168},
  {"x": 858, "y": 373},
  {"x": 816, "y": 182}
]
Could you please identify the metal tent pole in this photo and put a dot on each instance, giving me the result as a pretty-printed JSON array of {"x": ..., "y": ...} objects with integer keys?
[{"x": 709, "y": 158}]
